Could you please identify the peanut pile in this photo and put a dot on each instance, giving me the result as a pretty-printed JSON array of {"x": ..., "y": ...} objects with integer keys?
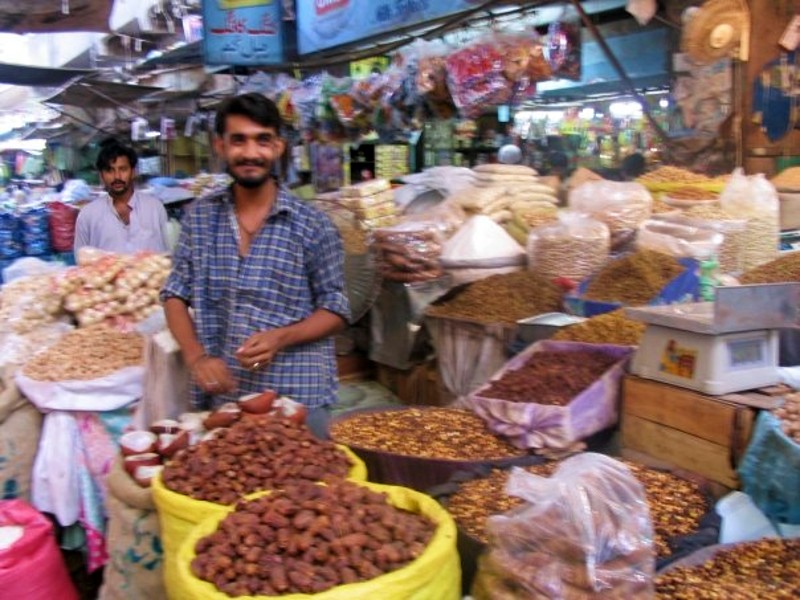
[
  {"x": 257, "y": 453},
  {"x": 669, "y": 174},
  {"x": 693, "y": 193},
  {"x": 676, "y": 505},
  {"x": 552, "y": 378},
  {"x": 308, "y": 538},
  {"x": 438, "y": 433},
  {"x": 87, "y": 353},
  {"x": 502, "y": 299},
  {"x": 767, "y": 568}
]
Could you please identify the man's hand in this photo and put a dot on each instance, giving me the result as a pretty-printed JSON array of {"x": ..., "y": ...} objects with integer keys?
[
  {"x": 260, "y": 349},
  {"x": 212, "y": 375}
]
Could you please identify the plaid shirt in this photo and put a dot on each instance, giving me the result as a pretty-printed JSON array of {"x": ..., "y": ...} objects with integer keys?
[{"x": 294, "y": 267}]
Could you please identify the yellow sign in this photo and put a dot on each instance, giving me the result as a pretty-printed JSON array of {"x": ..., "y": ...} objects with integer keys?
[
  {"x": 232, "y": 4},
  {"x": 678, "y": 361},
  {"x": 361, "y": 69}
]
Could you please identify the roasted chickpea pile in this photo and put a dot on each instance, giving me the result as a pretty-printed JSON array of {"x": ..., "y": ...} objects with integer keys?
[
  {"x": 257, "y": 453},
  {"x": 308, "y": 538},
  {"x": 676, "y": 505},
  {"x": 438, "y": 433}
]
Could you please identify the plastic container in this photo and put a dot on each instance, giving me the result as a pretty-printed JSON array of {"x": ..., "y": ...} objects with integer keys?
[
  {"x": 742, "y": 520},
  {"x": 712, "y": 364}
]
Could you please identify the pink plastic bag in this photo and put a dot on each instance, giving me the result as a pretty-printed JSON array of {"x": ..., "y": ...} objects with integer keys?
[{"x": 32, "y": 567}]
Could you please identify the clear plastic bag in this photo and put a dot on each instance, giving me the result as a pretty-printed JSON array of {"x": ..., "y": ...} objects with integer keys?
[
  {"x": 574, "y": 247},
  {"x": 755, "y": 199},
  {"x": 623, "y": 206},
  {"x": 584, "y": 532},
  {"x": 678, "y": 240},
  {"x": 408, "y": 252}
]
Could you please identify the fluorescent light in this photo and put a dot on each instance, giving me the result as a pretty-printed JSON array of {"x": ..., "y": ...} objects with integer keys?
[
  {"x": 31, "y": 145},
  {"x": 152, "y": 134}
]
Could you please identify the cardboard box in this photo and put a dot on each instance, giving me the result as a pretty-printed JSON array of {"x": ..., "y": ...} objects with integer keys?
[{"x": 686, "y": 429}]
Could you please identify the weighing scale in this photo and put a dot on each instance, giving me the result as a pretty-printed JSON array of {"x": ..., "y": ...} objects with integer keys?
[{"x": 720, "y": 347}]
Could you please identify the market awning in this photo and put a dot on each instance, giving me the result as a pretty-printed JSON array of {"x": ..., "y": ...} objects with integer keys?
[
  {"x": 100, "y": 94},
  {"x": 38, "y": 76}
]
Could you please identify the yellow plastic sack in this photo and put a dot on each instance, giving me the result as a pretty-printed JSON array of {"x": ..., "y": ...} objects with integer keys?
[
  {"x": 178, "y": 513},
  {"x": 434, "y": 575}
]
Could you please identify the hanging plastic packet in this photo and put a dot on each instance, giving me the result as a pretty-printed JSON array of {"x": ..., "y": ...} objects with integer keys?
[{"x": 563, "y": 48}]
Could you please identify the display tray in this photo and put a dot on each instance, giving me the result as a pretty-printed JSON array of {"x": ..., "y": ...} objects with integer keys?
[{"x": 416, "y": 472}]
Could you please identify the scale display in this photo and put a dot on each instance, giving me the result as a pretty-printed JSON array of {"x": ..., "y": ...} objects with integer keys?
[{"x": 745, "y": 354}]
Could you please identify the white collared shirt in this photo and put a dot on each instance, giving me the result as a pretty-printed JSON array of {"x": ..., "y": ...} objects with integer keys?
[{"x": 100, "y": 226}]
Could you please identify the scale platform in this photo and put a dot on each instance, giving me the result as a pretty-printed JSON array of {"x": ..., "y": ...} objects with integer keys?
[{"x": 729, "y": 345}]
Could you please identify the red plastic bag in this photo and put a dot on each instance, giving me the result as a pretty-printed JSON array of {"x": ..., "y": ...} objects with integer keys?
[
  {"x": 32, "y": 567},
  {"x": 62, "y": 226}
]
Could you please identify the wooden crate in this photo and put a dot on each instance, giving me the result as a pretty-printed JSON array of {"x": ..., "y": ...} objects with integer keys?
[
  {"x": 418, "y": 385},
  {"x": 686, "y": 429}
]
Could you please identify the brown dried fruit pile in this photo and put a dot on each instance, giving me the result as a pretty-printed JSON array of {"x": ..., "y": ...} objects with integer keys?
[
  {"x": 767, "y": 568},
  {"x": 784, "y": 268},
  {"x": 609, "y": 328},
  {"x": 257, "y": 453},
  {"x": 440, "y": 433},
  {"x": 676, "y": 505},
  {"x": 308, "y": 538},
  {"x": 552, "y": 378},
  {"x": 502, "y": 299},
  {"x": 634, "y": 279}
]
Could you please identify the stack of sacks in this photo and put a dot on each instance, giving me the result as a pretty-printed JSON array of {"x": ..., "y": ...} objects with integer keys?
[
  {"x": 372, "y": 202},
  {"x": 503, "y": 192}
]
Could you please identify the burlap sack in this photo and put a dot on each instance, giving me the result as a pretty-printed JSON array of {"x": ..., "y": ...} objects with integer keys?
[
  {"x": 134, "y": 569},
  {"x": 19, "y": 441},
  {"x": 10, "y": 398}
]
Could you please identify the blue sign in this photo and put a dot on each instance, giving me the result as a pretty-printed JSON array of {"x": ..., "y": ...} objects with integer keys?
[
  {"x": 242, "y": 32},
  {"x": 326, "y": 23}
]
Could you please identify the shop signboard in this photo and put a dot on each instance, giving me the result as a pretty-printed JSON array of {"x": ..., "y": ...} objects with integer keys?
[
  {"x": 242, "y": 32},
  {"x": 323, "y": 24}
]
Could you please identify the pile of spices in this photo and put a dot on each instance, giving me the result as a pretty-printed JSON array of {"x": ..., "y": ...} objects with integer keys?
[{"x": 609, "y": 328}]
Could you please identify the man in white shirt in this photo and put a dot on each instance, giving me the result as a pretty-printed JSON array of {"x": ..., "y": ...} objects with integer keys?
[{"x": 126, "y": 220}]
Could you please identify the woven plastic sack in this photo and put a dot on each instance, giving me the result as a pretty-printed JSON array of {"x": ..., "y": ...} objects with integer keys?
[
  {"x": 434, "y": 575},
  {"x": 32, "y": 567},
  {"x": 584, "y": 532},
  {"x": 62, "y": 226},
  {"x": 19, "y": 442},
  {"x": 178, "y": 514},
  {"x": 770, "y": 471}
]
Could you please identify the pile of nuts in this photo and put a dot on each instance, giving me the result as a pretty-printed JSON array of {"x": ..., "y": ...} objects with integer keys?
[
  {"x": 503, "y": 298},
  {"x": 87, "y": 353},
  {"x": 634, "y": 279},
  {"x": 789, "y": 414},
  {"x": 437, "y": 433},
  {"x": 308, "y": 538},
  {"x": 785, "y": 268},
  {"x": 550, "y": 378},
  {"x": 673, "y": 175},
  {"x": 258, "y": 453},
  {"x": 609, "y": 328},
  {"x": 676, "y": 505},
  {"x": 767, "y": 568}
]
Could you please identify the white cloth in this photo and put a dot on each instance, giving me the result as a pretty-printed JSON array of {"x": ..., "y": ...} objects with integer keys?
[{"x": 100, "y": 226}]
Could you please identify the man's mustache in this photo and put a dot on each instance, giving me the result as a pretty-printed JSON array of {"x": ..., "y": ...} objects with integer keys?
[{"x": 246, "y": 162}]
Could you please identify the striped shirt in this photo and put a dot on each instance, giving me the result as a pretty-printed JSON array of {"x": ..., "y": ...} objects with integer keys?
[
  {"x": 294, "y": 267},
  {"x": 100, "y": 226}
]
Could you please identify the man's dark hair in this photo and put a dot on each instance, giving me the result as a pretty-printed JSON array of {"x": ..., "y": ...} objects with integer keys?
[
  {"x": 110, "y": 150},
  {"x": 254, "y": 106}
]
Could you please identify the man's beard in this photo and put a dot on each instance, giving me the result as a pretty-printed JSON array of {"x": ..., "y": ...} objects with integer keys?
[
  {"x": 115, "y": 192},
  {"x": 252, "y": 182}
]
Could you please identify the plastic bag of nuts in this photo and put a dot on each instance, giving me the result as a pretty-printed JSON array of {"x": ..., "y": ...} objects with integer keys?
[
  {"x": 574, "y": 247},
  {"x": 344, "y": 540},
  {"x": 584, "y": 532}
]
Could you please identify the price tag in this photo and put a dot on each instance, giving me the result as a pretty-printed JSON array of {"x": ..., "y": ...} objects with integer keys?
[{"x": 791, "y": 35}]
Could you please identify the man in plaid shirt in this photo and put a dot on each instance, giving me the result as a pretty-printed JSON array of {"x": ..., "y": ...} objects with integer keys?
[{"x": 263, "y": 274}]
